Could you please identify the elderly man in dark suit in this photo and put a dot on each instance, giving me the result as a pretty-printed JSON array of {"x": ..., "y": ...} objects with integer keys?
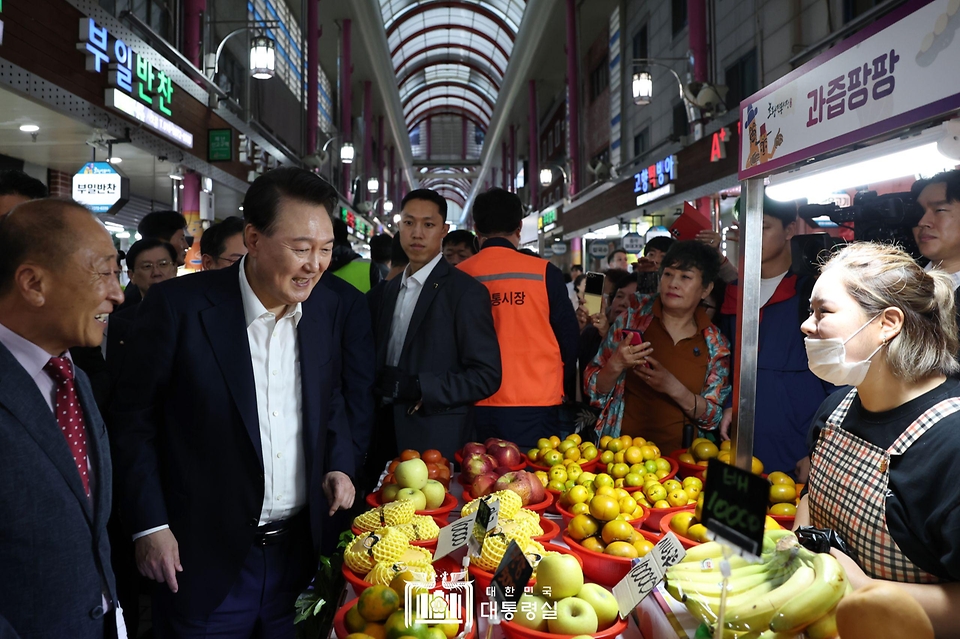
[
  {"x": 58, "y": 284},
  {"x": 437, "y": 350},
  {"x": 232, "y": 441}
]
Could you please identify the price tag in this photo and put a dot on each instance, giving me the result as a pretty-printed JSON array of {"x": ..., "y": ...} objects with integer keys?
[
  {"x": 454, "y": 536},
  {"x": 735, "y": 507},
  {"x": 511, "y": 577},
  {"x": 646, "y": 573},
  {"x": 487, "y": 516}
]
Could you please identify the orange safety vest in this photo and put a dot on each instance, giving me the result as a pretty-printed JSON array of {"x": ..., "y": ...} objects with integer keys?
[{"x": 530, "y": 355}]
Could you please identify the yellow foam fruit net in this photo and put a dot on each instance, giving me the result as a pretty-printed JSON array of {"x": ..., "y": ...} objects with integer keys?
[
  {"x": 383, "y": 573},
  {"x": 395, "y": 513},
  {"x": 510, "y": 504}
]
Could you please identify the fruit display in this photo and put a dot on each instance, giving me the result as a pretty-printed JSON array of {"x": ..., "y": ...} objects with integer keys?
[
  {"x": 608, "y": 569},
  {"x": 502, "y": 454},
  {"x": 525, "y": 484},
  {"x": 580, "y": 608},
  {"x": 378, "y": 613},
  {"x": 784, "y": 498},
  {"x": 693, "y": 460},
  {"x": 633, "y": 457},
  {"x": 552, "y": 452},
  {"x": 688, "y": 529},
  {"x": 596, "y": 495},
  {"x": 790, "y": 591},
  {"x": 376, "y": 557},
  {"x": 438, "y": 467}
]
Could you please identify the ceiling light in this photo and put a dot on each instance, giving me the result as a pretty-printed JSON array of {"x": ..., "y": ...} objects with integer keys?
[
  {"x": 240, "y": 208},
  {"x": 347, "y": 153},
  {"x": 124, "y": 235},
  {"x": 263, "y": 57},
  {"x": 373, "y": 185},
  {"x": 387, "y": 206},
  {"x": 137, "y": 237},
  {"x": 29, "y": 128},
  {"x": 396, "y": 218},
  {"x": 546, "y": 176},
  {"x": 642, "y": 88},
  {"x": 115, "y": 160}
]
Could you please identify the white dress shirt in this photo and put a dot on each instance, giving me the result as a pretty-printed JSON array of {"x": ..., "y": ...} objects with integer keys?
[
  {"x": 954, "y": 276},
  {"x": 275, "y": 354},
  {"x": 410, "y": 288}
]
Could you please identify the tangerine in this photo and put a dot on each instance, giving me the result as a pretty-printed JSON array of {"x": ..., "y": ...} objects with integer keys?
[{"x": 378, "y": 602}]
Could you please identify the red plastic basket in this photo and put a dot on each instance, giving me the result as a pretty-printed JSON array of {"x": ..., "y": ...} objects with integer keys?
[
  {"x": 687, "y": 470},
  {"x": 513, "y": 630},
  {"x": 636, "y": 523},
  {"x": 551, "y": 530},
  {"x": 449, "y": 503},
  {"x": 686, "y": 542},
  {"x": 654, "y": 515},
  {"x": 606, "y": 570}
]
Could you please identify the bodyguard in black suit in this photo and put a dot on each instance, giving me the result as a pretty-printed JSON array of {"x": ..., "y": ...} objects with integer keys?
[
  {"x": 437, "y": 350},
  {"x": 58, "y": 284},
  {"x": 231, "y": 428}
]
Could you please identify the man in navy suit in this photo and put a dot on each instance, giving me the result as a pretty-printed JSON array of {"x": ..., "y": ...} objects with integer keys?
[
  {"x": 58, "y": 283},
  {"x": 232, "y": 441}
]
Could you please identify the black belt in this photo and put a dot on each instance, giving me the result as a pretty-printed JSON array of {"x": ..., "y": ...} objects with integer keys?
[{"x": 277, "y": 531}]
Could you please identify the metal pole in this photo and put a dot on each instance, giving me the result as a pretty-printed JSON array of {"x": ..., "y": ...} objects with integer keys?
[
  {"x": 393, "y": 185},
  {"x": 573, "y": 97},
  {"x": 503, "y": 164},
  {"x": 513, "y": 158},
  {"x": 367, "y": 133},
  {"x": 346, "y": 99},
  {"x": 533, "y": 121},
  {"x": 313, "y": 63},
  {"x": 748, "y": 324},
  {"x": 383, "y": 185},
  {"x": 192, "y": 13}
]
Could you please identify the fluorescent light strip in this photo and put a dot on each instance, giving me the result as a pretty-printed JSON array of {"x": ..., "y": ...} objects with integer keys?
[
  {"x": 656, "y": 194},
  {"x": 140, "y": 112}
]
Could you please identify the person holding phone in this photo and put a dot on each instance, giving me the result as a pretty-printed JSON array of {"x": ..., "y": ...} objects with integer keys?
[{"x": 680, "y": 373}]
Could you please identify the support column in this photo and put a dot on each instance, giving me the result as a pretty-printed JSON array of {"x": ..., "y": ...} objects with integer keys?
[
  {"x": 503, "y": 164},
  {"x": 513, "y": 159},
  {"x": 533, "y": 121},
  {"x": 697, "y": 20},
  {"x": 573, "y": 97},
  {"x": 313, "y": 62},
  {"x": 367, "y": 134},
  {"x": 393, "y": 188},
  {"x": 383, "y": 183},
  {"x": 346, "y": 99},
  {"x": 192, "y": 28}
]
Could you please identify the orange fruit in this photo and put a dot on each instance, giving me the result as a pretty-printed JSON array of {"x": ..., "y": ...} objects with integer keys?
[
  {"x": 376, "y": 603},
  {"x": 633, "y": 455},
  {"x": 705, "y": 450},
  {"x": 604, "y": 441},
  {"x": 409, "y": 454},
  {"x": 756, "y": 466},
  {"x": 617, "y": 530},
  {"x": 604, "y": 507},
  {"x": 353, "y": 620},
  {"x": 621, "y": 549},
  {"x": 777, "y": 477},
  {"x": 725, "y": 445},
  {"x": 643, "y": 546},
  {"x": 697, "y": 532},
  {"x": 583, "y": 526},
  {"x": 783, "y": 493},
  {"x": 649, "y": 452},
  {"x": 686, "y": 458},
  {"x": 677, "y": 497},
  {"x": 639, "y": 441},
  {"x": 783, "y": 510},
  {"x": 680, "y": 523},
  {"x": 593, "y": 543},
  {"x": 575, "y": 438},
  {"x": 554, "y": 441},
  {"x": 583, "y": 508}
]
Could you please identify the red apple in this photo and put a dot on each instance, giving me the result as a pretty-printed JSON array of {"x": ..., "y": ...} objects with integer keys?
[
  {"x": 500, "y": 471},
  {"x": 515, "y": 482},
  {"x": 476, "y": 465},
  {"x": 483, "y": 485},
  {"x": 473, "y": 448},
  {"x": 537, "y": 492},
  {"x": 490, "y": 441},
  {"x": 506, "y": 454}
]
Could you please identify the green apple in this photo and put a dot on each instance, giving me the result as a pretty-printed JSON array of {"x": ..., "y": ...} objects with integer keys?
[
  {"x": 389, "y": 493},
  {"x": 603, "y": 603},
  {"x": 435, "y": 493},
  {"x": 559, "y": 575},
  {"x": 416, "y": 496},
  {"x": 574, "y": 617},
  {"x": 411, "y": 474},
  {"x": 530, "y": 604}
]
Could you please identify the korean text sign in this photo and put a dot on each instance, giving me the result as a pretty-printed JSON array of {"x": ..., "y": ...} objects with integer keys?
[{"x": 893, "y": 74}]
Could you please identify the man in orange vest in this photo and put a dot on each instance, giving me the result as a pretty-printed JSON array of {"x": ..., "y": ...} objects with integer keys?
[{"x": 536, "y": 326}]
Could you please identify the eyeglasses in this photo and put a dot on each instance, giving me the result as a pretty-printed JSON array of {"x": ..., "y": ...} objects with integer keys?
[{"x": 148, "y": 266}]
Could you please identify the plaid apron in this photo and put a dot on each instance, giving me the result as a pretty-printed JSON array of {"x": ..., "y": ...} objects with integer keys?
[{"x": 848, "y": 491}]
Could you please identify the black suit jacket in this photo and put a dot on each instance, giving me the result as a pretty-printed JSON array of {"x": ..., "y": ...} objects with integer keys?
[
  {"x": 54, "y": 551},
  {"x": 451, "y": 345},
  {"x": 188, "y": 447}
]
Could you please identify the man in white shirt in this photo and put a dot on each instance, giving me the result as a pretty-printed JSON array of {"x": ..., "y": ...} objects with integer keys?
[
  {"x": 232, "y": 441},
  {"x": 938, "y": 232},
  {"x": 58, "y": 284},
  {"x": 437, "y": 350}
]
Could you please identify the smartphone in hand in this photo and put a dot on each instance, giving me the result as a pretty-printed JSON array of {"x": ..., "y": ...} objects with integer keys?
[
  {"x": 636, "y": 337},
  {"x": 593, "y": 293}
]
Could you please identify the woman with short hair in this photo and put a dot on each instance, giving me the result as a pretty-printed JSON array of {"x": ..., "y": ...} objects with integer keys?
[
  {"x": 680, "y": 373},
  {"x": 883, "y": 452}
]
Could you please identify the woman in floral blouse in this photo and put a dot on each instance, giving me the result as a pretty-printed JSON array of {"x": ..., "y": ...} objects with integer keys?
[{"x": 680, "y": 374}]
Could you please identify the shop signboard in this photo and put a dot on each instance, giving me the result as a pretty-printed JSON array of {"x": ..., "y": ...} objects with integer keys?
[
  {"x": 599, "y": 249},
  {"x": 656, "y": 180},
  {"x": 137, "y": 87},
  {"x": 100, "y": 188},
  {"x": 220, "y": 145},
  {"x": 559, "y": 248},
  {"x": 892, "y": 74},
  {"x": 632, "y": 243},
  {"x": 548, "y": 220}
]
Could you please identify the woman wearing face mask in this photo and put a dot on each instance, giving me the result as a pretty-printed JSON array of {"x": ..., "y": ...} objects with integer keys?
[
  {"x": 680, "y": 374},
  {"x": 884, "y": 450}
]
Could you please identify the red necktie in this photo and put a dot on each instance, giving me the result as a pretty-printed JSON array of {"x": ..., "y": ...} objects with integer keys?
[{"x": 70, "y": 414}]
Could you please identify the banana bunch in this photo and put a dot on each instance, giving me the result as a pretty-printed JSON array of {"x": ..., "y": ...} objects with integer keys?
[{"x": 791, "y": 590}]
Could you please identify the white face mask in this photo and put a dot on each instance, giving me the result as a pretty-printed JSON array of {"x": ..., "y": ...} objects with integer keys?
[{"x": 827, "y": 359}]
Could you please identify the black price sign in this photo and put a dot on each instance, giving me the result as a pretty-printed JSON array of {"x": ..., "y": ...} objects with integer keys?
[
  {"x": 511, "y": 576},
  {"x": 735, "y": 506},
  {"x": 488, "y": 514}
]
